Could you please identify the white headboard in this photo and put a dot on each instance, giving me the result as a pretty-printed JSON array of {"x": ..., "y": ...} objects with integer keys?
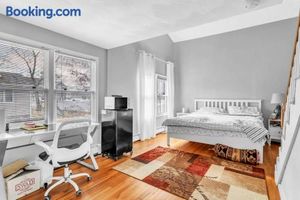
[{"x": 224, "y": 103}]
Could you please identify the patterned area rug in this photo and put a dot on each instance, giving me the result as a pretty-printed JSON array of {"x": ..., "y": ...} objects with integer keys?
[{"x": 193, "y": 176}]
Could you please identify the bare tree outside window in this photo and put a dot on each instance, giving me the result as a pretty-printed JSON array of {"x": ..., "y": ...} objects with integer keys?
[
  {"x": 30, "y": 59},
  {"x": 20, "y": 68},
  {"x": 72, "y": 74},
  {"x": 73, "y": 78}
]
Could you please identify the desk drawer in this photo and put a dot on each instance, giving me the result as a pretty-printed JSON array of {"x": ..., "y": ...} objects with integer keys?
[{"x": 275, "y": 130}]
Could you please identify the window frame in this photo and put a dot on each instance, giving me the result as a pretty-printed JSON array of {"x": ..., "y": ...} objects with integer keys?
[
  {"x": 92, "y": 92},
  {"x": 4, "y": 96},
  {"x": 28, "y": 88},
  {"x": 49, "y": 75},
  {"x": 162, "y": 77},
  {"x": 12, "y": 96}
]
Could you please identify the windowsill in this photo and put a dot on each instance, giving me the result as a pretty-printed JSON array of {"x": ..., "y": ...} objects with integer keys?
[
  {"x": 50, "y": 127},
  {"x": 20, "y": 130},
  {"x": 18, "y": 124},
  {"x": 19, "y": 133},
  {"x": 19, "y": 137}
]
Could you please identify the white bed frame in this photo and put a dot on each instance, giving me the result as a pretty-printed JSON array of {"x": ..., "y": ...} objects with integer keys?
[{"x": 236, "y": 142}]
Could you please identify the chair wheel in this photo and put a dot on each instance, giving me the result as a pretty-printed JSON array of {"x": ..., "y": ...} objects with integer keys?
[
  {"x": 45, "y": 186},
  {"x": 89, "y": 178},
  {"x": 47, "y": 197},
  {"x": 78, "y": 192}
]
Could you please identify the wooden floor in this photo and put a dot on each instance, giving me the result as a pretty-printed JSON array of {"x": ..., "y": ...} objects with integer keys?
[{"x": 108, "y": 184}]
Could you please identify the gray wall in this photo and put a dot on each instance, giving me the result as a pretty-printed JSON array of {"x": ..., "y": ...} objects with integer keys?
[
  {"x": 28, "y": 31},
  {"x": 250, "y": 63},
  {"x": 122, "y": 66}
]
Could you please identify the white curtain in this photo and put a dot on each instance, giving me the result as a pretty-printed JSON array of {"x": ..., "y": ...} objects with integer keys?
[
  {"x": 146, "y": 95},
  {"x": 170, "y": 83}
]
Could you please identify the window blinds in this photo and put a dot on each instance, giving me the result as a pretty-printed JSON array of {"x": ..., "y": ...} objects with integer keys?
[
  {"x": 22, "y": 90},
  {"x": 73, "y": 86},
  {"x": 25, "y": 106}
]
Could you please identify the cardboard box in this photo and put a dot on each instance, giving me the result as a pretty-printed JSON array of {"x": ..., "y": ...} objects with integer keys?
[{"x": 23, "y": 184}]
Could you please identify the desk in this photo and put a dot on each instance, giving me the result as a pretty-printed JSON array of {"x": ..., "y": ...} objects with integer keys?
[
  {"x": 2, "y": 182},
  {"x": 20, "y": 138}
]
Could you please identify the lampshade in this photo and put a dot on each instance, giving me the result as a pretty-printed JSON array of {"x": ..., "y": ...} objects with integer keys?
[{"x": 277, "y": 98}]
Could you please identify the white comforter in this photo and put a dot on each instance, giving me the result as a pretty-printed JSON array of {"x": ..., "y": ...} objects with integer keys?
[
  {"x": 215, "y": 121},
  {"x": 252, "y": 126}
]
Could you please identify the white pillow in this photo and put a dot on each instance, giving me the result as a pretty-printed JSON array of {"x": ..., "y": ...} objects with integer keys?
[
  {"x": 244, "y": 110},
  {"x": 211, "y": 110},
  {"x": 233, "y": 110},
  {"x": 251, "y": 110}
]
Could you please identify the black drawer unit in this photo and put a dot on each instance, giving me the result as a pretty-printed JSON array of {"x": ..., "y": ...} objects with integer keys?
[{"x": 116, "y": 132}]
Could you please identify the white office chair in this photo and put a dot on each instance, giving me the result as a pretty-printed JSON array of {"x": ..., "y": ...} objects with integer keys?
[{"x": 63, "y": 156}]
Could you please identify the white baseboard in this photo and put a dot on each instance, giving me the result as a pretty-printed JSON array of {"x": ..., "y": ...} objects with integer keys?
[
  {"x": 159, "y": 130},
  {"x": 96, "y": 149},
  {"x": 281, "y": 192},
  {"x": 136, "y": 138}
]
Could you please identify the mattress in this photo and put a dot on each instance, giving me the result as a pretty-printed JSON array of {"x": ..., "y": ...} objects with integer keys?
[{"x": 208, "y": 132}]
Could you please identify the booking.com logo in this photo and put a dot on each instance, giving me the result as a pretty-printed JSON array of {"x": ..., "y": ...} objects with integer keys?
[{"x": 42, "y": 12}]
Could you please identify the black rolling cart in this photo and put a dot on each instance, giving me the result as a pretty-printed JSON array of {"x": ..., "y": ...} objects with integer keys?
[{"x": 117, "y": 126}]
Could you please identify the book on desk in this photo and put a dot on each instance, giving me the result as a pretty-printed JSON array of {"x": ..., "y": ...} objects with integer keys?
[{"x": 34, "y": 128}]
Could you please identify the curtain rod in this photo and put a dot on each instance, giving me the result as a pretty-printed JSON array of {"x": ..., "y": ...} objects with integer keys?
[{"x": 155, "y": 57}]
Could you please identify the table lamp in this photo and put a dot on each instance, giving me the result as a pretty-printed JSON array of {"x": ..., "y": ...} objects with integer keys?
[{"x": 277, "y": 98}]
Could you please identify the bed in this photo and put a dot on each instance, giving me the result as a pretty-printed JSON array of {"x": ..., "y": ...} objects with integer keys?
[{"x": 235, "y": 130}]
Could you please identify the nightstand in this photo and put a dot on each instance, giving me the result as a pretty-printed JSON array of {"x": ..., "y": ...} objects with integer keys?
[
  {"x": 275, "y": 129},
  {"x": 181, "y": 114}
]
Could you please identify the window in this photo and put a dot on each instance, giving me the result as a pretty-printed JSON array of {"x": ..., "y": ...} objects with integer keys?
[
  {"x": 73, "y": 84},
  {"x": 22, "y": 90},
  {"x": 161, "y": 96},
  {"x": 27, "y": 85},
  {"x": 6, "y": 96},
  {"x": 72, "y": 74}
]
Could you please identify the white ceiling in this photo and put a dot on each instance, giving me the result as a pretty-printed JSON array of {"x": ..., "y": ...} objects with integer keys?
[
  {"x": 257, "y": 17},
  {"x": 113, "y": 23}
]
